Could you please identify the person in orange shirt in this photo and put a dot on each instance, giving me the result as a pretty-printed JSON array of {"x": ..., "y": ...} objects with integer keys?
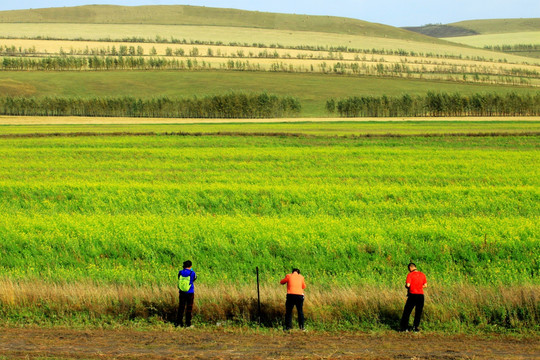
[
  {"x": 295, "y": 297},
  {"x": 415, "y": 284}
]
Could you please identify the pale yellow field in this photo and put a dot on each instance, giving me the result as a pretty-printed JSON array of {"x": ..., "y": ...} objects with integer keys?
[
  {"x": 74, "y": 120},
  {"x": 531, "y": 37},
  {"x": 289, "y": 60},
  {"x": 241, "y": 35},
  {"x": 54, "y": 47}
]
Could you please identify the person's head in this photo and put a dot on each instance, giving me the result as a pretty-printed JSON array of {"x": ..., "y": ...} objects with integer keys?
[
  {"x": 412, "y": 267},
  {"x": 187, "y": 264},
  {"x": 295, "y": 270}
]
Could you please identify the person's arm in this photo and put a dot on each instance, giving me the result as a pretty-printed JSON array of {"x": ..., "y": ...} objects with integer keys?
[
  {"x": 408, "y": 281},
  {"x": 303, "y": 284},
  {"x": 194, "y": 277},
  {"x": 285, "y": 280}
]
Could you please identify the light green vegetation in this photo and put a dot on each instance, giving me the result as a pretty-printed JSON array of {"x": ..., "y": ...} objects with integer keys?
[
  {"x": 205, "y": 16},
  {"x": 515, "y": 38},
  {"x": 500, "y": 26},
  {"x": 307, "y": 128},
  {"x": 355, "y": 211},
  {"x": 311, "y": 89}
]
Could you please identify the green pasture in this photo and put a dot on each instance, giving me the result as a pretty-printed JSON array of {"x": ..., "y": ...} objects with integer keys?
[
  {"x": 129, "y": 210},
  {"x": 334, "y": 128},
  {"x": 313, "y": 90}
]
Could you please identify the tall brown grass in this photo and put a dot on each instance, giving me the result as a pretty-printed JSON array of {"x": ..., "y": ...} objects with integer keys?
[{"x": 447, "y": 308}]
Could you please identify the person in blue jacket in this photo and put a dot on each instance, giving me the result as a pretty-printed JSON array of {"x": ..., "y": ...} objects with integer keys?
[{"x": 186, "y": 278}]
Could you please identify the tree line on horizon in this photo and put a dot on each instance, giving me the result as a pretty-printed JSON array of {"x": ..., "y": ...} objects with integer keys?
[
  {"x": 437, "y": 105},
  {"x": 263, "y": 105},
  {"x": 232, "y": 105}
]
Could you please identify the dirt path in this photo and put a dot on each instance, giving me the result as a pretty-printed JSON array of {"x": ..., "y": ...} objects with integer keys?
[
  {"x": 238, "y": 344},
  {"x": 76, "y": 120}
]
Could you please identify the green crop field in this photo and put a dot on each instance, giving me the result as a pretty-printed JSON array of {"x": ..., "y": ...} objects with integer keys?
[
  {"x": 332, "y": 128},
  {"x": 128, "y": 210},
  {"x": 87, "y": 211}
]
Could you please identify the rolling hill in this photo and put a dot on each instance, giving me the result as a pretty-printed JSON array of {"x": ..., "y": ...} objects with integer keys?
[
  {"x": 500, "y": 26},
  {"x": 478, "y": 27},
  {"x": 205, "y": 16},
  {"x": 512, "y": 36}
]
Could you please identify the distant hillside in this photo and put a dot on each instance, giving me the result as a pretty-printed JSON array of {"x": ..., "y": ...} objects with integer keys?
[
  {"x": 478, "y": 27},
  {"x": 500, "y": 26},
  {"x": 441, "y": 31},
  {"x": 196, "y": 15}
]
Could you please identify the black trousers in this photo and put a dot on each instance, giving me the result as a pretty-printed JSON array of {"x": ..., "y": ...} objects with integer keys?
[
  {"x": 185, "y": 304},
  {"x": 413, "y": 301},
  {"x": 292, "y": 301}
]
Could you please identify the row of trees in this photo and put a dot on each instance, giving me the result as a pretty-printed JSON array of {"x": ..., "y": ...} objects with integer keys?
[
  {"x": 345, "y": 49},
  {"x": 514, "y": 48},
  {"x": 438, "y": 104},
  {"x": 233, "y": 105},
  {"x": 99, "y": 63},
  {"x": 14, "y": 50},
  {"x": 70, "y": 63}
]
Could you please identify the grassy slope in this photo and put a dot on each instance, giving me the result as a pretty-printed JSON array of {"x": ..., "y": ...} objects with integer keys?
[
  {"x": 311, "y": 89},
  {"x": 500, "y": 26},
  {"x": 478, "y": 27},
  {"x": 194, "y": 15}
]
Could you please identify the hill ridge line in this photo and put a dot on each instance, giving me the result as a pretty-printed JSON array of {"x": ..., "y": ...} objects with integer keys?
[{"x": 207, "y": 16}]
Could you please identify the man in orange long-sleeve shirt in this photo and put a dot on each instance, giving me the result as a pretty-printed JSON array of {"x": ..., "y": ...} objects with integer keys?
[{"x": 295, "y": 297}]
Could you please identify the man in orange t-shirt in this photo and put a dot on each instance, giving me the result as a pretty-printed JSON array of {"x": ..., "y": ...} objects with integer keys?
[
  {"x": 295, "y": 297},
  {"x": 415, "y": 283}
]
